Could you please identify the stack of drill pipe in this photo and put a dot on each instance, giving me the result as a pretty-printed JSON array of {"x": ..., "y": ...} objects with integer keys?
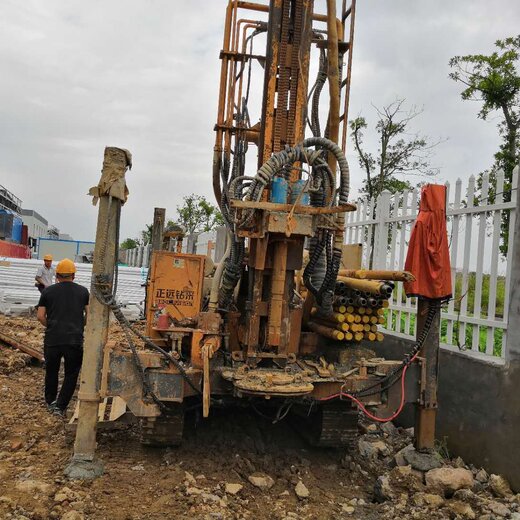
[
  {"x": 359, "y": 303},
  {"x": 378, "y": 288}
]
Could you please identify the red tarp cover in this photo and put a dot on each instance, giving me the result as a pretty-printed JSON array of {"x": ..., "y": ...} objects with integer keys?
[{"x": 428, "y": 257}]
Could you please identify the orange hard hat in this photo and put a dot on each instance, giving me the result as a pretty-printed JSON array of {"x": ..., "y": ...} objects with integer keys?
[
  {"x": 66, "y": 266},
  {"x": 48, "y": 257}
]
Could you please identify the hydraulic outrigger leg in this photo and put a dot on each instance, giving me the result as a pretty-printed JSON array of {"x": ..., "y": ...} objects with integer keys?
[{"x": 111, "y": 192}]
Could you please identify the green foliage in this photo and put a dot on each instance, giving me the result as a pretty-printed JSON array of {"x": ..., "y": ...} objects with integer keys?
[
  {"x": 494, "y": 81},
  {"x": 399, "y": 153},
  {"x": 198, "y": 215},
  {"x": 146, "y": 234},
  {"x": 129, "y": 243}
]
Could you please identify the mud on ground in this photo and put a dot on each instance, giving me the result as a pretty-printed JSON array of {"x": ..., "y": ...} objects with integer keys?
[{"x": 211, "y": 475}]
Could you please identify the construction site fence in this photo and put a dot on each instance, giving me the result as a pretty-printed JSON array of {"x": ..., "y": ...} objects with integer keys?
[{"x": 480, "y": 222}]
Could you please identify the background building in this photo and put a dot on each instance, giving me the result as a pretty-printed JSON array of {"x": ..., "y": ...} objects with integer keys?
[{"x": 36, "y": 226}]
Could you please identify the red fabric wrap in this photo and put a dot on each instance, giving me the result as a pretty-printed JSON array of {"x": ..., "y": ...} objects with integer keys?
[{"x": 428, "y": 257}]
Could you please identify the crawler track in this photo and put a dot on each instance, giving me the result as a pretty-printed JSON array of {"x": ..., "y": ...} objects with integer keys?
[
  {"x": 165, "y": 430},
  {"x": 330, "y": 426}
]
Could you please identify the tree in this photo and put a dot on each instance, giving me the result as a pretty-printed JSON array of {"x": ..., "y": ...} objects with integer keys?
[
  {"x": 129, "y": 243},
  {"x": 398, "y": 153},
  {"x": 198, "y": 215},
  {"x": 146, "y": 235},
  {"x": 494, "y": 81}
]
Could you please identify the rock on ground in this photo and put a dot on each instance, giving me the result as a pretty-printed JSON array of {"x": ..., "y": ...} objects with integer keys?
[
  {"x": 301, "y": 490},
  {"x": 73, "y": 515},
  {"x": 500, "y": 486},
  {"x": 233, "y": 489},
  {"x": 422, "y": 461},
  {"x": 434, "y": 501},
  {"x": 462, "y": 509},
  {"x": 35, "y": 486},
  {"x": 261, "y": 481},
  {"x": 499, "y": 509},
  {"x": 448, "y": 480},
  {"x": 372, "y": 449}
]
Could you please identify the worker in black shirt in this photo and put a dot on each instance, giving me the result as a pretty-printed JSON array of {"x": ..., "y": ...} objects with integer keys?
[{"x": 62, "y": 310}]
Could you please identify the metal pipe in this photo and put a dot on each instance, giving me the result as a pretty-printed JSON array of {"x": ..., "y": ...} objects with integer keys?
[
  {"x": 217, "y": 150},
  {"x": 362, "y": 274},
  {"x": 217, "y": 277}
]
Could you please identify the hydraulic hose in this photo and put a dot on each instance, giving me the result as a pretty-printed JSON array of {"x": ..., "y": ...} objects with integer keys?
[{"x": 215, "y": 285}]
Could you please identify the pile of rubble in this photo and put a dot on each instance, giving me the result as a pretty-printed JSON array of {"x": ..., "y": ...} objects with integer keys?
[
  {"x": 234, "y": 465},
  {"x": 408, "y": 482}
]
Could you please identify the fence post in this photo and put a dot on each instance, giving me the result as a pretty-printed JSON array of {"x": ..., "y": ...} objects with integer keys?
[
  {"x": 513, "y": 312},
  {"x": 147, "y": 253},
  {"x": 381, "y": 231}
]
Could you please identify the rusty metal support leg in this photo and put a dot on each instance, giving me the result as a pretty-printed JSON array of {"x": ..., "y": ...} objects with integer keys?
[
  {"x": 277, "y": 293},
  {"x": 84, "y": 465},
  {"x": 159, "y": 217},
  {"x": 426, "y": 411}
]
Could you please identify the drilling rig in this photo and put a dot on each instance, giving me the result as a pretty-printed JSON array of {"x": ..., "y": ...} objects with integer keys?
[{"x": 263, "y": 328}]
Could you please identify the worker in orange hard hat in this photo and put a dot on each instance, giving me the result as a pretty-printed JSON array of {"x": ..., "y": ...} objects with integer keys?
[
  {"x": 63, "y": 310},
  {"x": 45, "y": 274}
]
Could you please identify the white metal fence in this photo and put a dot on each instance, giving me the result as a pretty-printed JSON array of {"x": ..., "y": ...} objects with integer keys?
[{"x": 475, "y": 320}]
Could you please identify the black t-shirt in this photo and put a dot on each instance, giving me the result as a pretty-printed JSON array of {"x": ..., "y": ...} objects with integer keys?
[{"x": 65, "y": 303}]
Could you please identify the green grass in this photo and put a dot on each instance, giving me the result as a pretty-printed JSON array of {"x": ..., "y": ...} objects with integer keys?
[
  {"x": 470, "y": 295},
  {"x": 465, "y": 343}
]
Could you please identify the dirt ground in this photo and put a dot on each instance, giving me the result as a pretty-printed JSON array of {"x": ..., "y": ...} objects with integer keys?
[{"x": 194, "y": 481}]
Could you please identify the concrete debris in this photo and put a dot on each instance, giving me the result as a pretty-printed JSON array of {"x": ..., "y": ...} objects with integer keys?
[
  {"x": 35, "y": 486},
  {"x": 287, "y": 479},
  {"x": 482, "y": 476},
  {"x": 301, "y": 490},
  {"x": 389, "y": 428},
  {"x": 434, "y": 501},
  {"x": 500, "y": 486},
  {"x": 73, "y": 515},
  {"x": 383, "y": 490},
  {"x": 261, "y": 481},
  {"x": 189, "y": 478},
  {"x": 399, "y": 457},
  {"x": 233, "y": 489},
  {"x": 66, "y": 494},
  {"x": 498, "y": 509},
  {"x": 372, "y": 449},
  {"x": 461, "y": 509},
  {"x": 422, "y": 461},
  {"x": 448, "y": 480},
  {"x": 466, "y": 495}
]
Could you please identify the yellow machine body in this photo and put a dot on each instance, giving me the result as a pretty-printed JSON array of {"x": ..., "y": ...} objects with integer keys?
[{"x": 175, "y": 288}]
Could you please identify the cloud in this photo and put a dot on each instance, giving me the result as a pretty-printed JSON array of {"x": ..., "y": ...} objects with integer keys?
[{"x": 77, "y": 76}]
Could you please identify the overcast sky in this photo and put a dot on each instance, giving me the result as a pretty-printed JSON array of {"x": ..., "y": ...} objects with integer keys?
[{"x": 143, "y": 75}]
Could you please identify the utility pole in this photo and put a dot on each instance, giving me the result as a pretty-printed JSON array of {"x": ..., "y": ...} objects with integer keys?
[{"x": 111, "y": 192}]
